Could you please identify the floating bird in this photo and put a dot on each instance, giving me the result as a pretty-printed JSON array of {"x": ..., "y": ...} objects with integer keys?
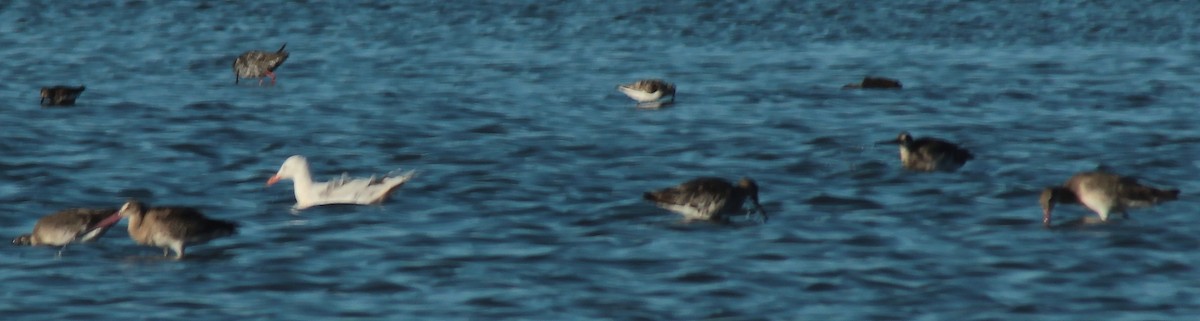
[
  {"x": 68, "y": 226},
  {"x": 344, "y": 190},
  {"x": 708, "y": 198},
  {"x": 875, "y": 83},
  {"x": 60, "y": 95},
  {"x": 172, "y": 228},
  {"x": 258, "y": 64},
  {"x": 929, "y": 154},
  {"x": 1103, "y": 193},
  {"x": 648, "y": 90}
]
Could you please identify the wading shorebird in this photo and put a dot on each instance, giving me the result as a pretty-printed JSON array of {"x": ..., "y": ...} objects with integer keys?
[
  {"x": 708, "y": 198},
  {"x": 172, "y": 228},
  {"x": 1103, "y": 193},
  {"x": 648, "y": 90},
  {"x": 344, "y": 190},
  {"x": 258, "y": 64},
  {"x": 929, "y": 154},
  {"x": 60, "y": 95},
  {"x": 69, "y": 226},
  {"x": 870, "y": 82}
]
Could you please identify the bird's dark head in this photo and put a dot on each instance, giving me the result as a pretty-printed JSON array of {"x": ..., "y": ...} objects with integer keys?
[
  {"x": 903, "y": 139},
  {"x": 751, "y": 189},
  {"x": 23, "y": 240}
]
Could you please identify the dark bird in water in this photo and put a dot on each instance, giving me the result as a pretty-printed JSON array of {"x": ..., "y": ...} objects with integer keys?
[
  {"x": 60, "y": 95},
  {"x": 929, "y": 154},
  {"x": 69, "y": 226},
  {"x": 875, "y": 83},
  {"x": 258, "y": 64},
  {"x": 172, "y": 228},
  {"x": 708, "y": 198},
  {"x": 1103, "y": 193}
]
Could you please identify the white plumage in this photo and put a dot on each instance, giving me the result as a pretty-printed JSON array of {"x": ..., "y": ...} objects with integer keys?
[{"x": 344, "y": 190}]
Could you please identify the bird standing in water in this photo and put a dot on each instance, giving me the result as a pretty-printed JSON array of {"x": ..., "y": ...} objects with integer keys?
[
  {"x": 258, "y": 64},
  {"x": 69, "y": 226},
  {"x": 1103, "y": 193},
  {"x": 172, "y": 228}
]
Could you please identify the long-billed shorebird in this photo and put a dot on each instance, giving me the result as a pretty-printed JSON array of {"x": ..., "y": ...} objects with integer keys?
[
  {"x": 258, "y": 64},
  {"x": 648, "y": 90},
  {"x": 172, "y": 228},
  {"x": 708, "y": 198},
  {"x": 870, "y": 82},
  {"x": 344, "y": 190},
  {"x": 69, "y": 226},
  {"x": 60, "y": 95},
  {"x": 1103, "y": 193},
  {"x": 929, "y": 154}
]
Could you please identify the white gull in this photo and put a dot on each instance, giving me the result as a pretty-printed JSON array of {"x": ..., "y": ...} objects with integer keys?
[{"x": 344, "y": 190}]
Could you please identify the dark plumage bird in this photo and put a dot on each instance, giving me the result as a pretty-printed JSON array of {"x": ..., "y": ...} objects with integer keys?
[
  {"x": 929, "y": 154},
  {"x": 68, "y": 226},
  {"x": 60, "y": 95},
  {"x": 708, "y": 198},
  {"x": 648, "y": 90},
  {"x": 258, "y": 64},
  {"x": 172, "y": 228},
  {"x": 875, "y": 83},
  {"x": 1103, "y": 193}
]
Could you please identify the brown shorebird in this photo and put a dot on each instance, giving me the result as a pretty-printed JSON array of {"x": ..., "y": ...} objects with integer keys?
[
  {"x": 172, "y": 228},
  {"x": 648, "y": 90},
  {"x": 68, "y": 226},
  {"x": 929, "y": 154},
  {"x": 875, "y": 83},
  {"x": 1103, "y": 193},
  {"x": 60, "y": 95},
  {"x": 345, "y": 190},
  {"x": 258, "y": 64},
  {"x": 708, "y": 198}
]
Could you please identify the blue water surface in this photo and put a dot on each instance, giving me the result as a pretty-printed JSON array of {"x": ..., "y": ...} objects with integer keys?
[{"x": 527, "y": 204}]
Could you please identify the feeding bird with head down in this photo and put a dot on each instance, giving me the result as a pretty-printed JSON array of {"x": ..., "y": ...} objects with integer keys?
[
  {"x": 258, "y": 64},
  {"x": 1103, "y": 193},
  {"x": 69, "y": 226},
  {"x": 708, "y": 198}
]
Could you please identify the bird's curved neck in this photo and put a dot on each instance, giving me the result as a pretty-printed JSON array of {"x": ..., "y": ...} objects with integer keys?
[
  {"x": 302, "y": 179},
  {"x": 135, "y": 221},
  {"x": 1065, "y": 195}
]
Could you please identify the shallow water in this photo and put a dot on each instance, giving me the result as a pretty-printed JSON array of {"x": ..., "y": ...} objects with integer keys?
[{"x": 531, "y": 165}]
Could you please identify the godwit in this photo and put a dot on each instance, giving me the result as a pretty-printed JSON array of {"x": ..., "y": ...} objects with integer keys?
[
  {"x": 708, "y": 198},
  {"x": 345, "y": 190},
  {"x": 648, "y": 90},
  {"x": 60, "y": 95},
  {"x": 258, "y": 64},
  {"x": 172, "y": 228},
  {"x": 1103, "y": 193},
  {"x": 67, "y": 226},
  {"x": 875, "y": 83},
  {"x": 929, "y": 154}
]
